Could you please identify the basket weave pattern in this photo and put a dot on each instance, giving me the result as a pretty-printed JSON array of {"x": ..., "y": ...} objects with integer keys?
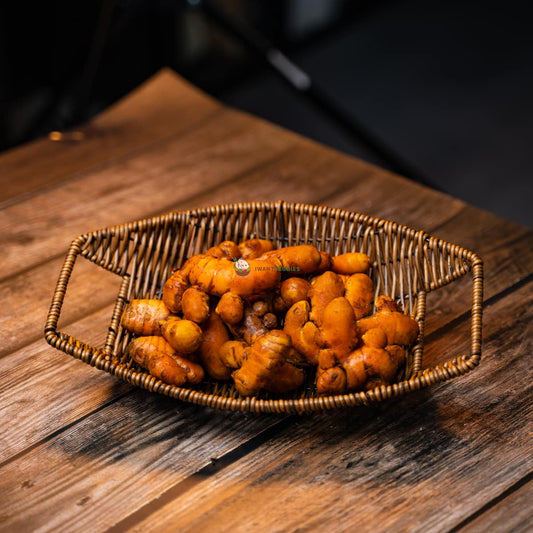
[{"x": 406, "y": 264}]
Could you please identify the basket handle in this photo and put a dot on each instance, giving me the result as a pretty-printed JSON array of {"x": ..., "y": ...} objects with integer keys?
[
  {"x": 65, "y": 342},
  {"x": 464, "y": 363}
]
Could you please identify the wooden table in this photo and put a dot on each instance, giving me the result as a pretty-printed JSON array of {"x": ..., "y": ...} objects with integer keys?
[{"x": 82, "y": 451}]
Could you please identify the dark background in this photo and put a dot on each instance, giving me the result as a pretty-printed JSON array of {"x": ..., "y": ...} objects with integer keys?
[{"x": 439, "y": 91}]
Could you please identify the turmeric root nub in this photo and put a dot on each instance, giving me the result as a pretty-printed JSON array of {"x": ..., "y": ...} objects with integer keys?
[
  {"x": 350, "y": 263},
  {"x": 254, "y": 248},
  {"x": 184, "y": 336},
  {"x": 230, "y": 308},
  {"x": 156, "y": 355},
  {"x": 142, "y": 316},
  {"x": 266, "y": 355},
  {"x": 214, "y": 336},
  {"x": 293, "y": 290},
  {"x": 195, "y": 305}
]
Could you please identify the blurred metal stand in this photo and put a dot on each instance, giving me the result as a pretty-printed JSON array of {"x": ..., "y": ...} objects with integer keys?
[{"x": 301, "y": 82}]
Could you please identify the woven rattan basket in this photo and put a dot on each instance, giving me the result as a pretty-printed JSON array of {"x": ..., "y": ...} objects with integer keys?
[{"x": 406, "y": 264}]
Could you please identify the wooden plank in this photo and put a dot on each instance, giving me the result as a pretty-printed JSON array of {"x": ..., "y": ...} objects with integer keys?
[
  {"x": 164, "y": 105},
  {"x": 421, "y": 464},
  {"x": 285, "y": 175},
  {"x": 506, "y": 250},
  {"x": 39, "y": 229},
  {"x": 43, "y": 390},
  {"x": 46, "y": 400},
  {"x": 26, "y": 299},
  {"x": 27, "y": 296},
  {"x": 130, "y": 451},
  {"x": 513, "y": 513}
]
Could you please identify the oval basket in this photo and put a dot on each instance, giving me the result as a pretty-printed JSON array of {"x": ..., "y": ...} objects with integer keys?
[{"x": 406, "y": 264}]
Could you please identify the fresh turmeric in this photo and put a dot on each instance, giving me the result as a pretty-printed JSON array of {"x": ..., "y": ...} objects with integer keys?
[
  {"x": 195, "y": 305},
  {"x": 254, "y": 248},
  {"x": 142, "y": 316},
  {"x": 217, "y": 276},
  {"x": 350, "y": 263},
  {"x": 155, "y": 354},
  {"x": 266, "y": 355},
  {"x": 214, "y": 336},
  {"x": 270, "y": 319},
  {"x": 185, "y": 336},
  {"x": 399, "y": 328},
  {"x": 302, "y": 259}
]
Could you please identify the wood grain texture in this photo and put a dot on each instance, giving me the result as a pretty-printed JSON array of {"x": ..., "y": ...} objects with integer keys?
[
  {"x": 108, "y": 465},
  {"x": 512, "y": 514},
  {"x": 40, "y": 229},
  {"x": 26, "y": 299},
  {"x": 42, "y": 390},
  {"x": 283, "y": 176},
  {"x": 417, "y": 465},
  {"x": 164, "y": 105}
]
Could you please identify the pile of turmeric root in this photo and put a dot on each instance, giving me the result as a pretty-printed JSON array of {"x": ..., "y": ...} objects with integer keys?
[{"x": 271, "y": 319}]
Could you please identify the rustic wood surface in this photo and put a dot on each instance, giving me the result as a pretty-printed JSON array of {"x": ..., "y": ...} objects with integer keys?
[{"x": 82, "y": 451}]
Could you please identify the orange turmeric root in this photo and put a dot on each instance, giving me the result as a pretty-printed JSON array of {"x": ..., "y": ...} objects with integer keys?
[
  {"x": 285, "y": 379},
  {"x": 350, "y": 263},
  {"x": 233, "y": 353},
  {"x": 303, "y": 259},
  {"x": 266, "y": 355},
  {"x": 338, "y": 330},
  {"x": 195, "y": 305},
  {"x": 155, "y": 354},
  {"x": 226, "y": 249},
  {"x": 293, "y": 290},
  {"x": 142, "y": 317},
  {"x": 399, "y": 328},
  {"x": 230, "y": 308},
  {"x": 214, "y": 336},
  {"x": 184, "y": 336},
  {"x": 173, "y": 290},
  {"x": 254, "y": 248},
  {"x": 324, "y": 289},
  {"x": 305, "y": 336},
  {"x": 360, "y": 293},
  {"x": 217, "y": 276}
]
